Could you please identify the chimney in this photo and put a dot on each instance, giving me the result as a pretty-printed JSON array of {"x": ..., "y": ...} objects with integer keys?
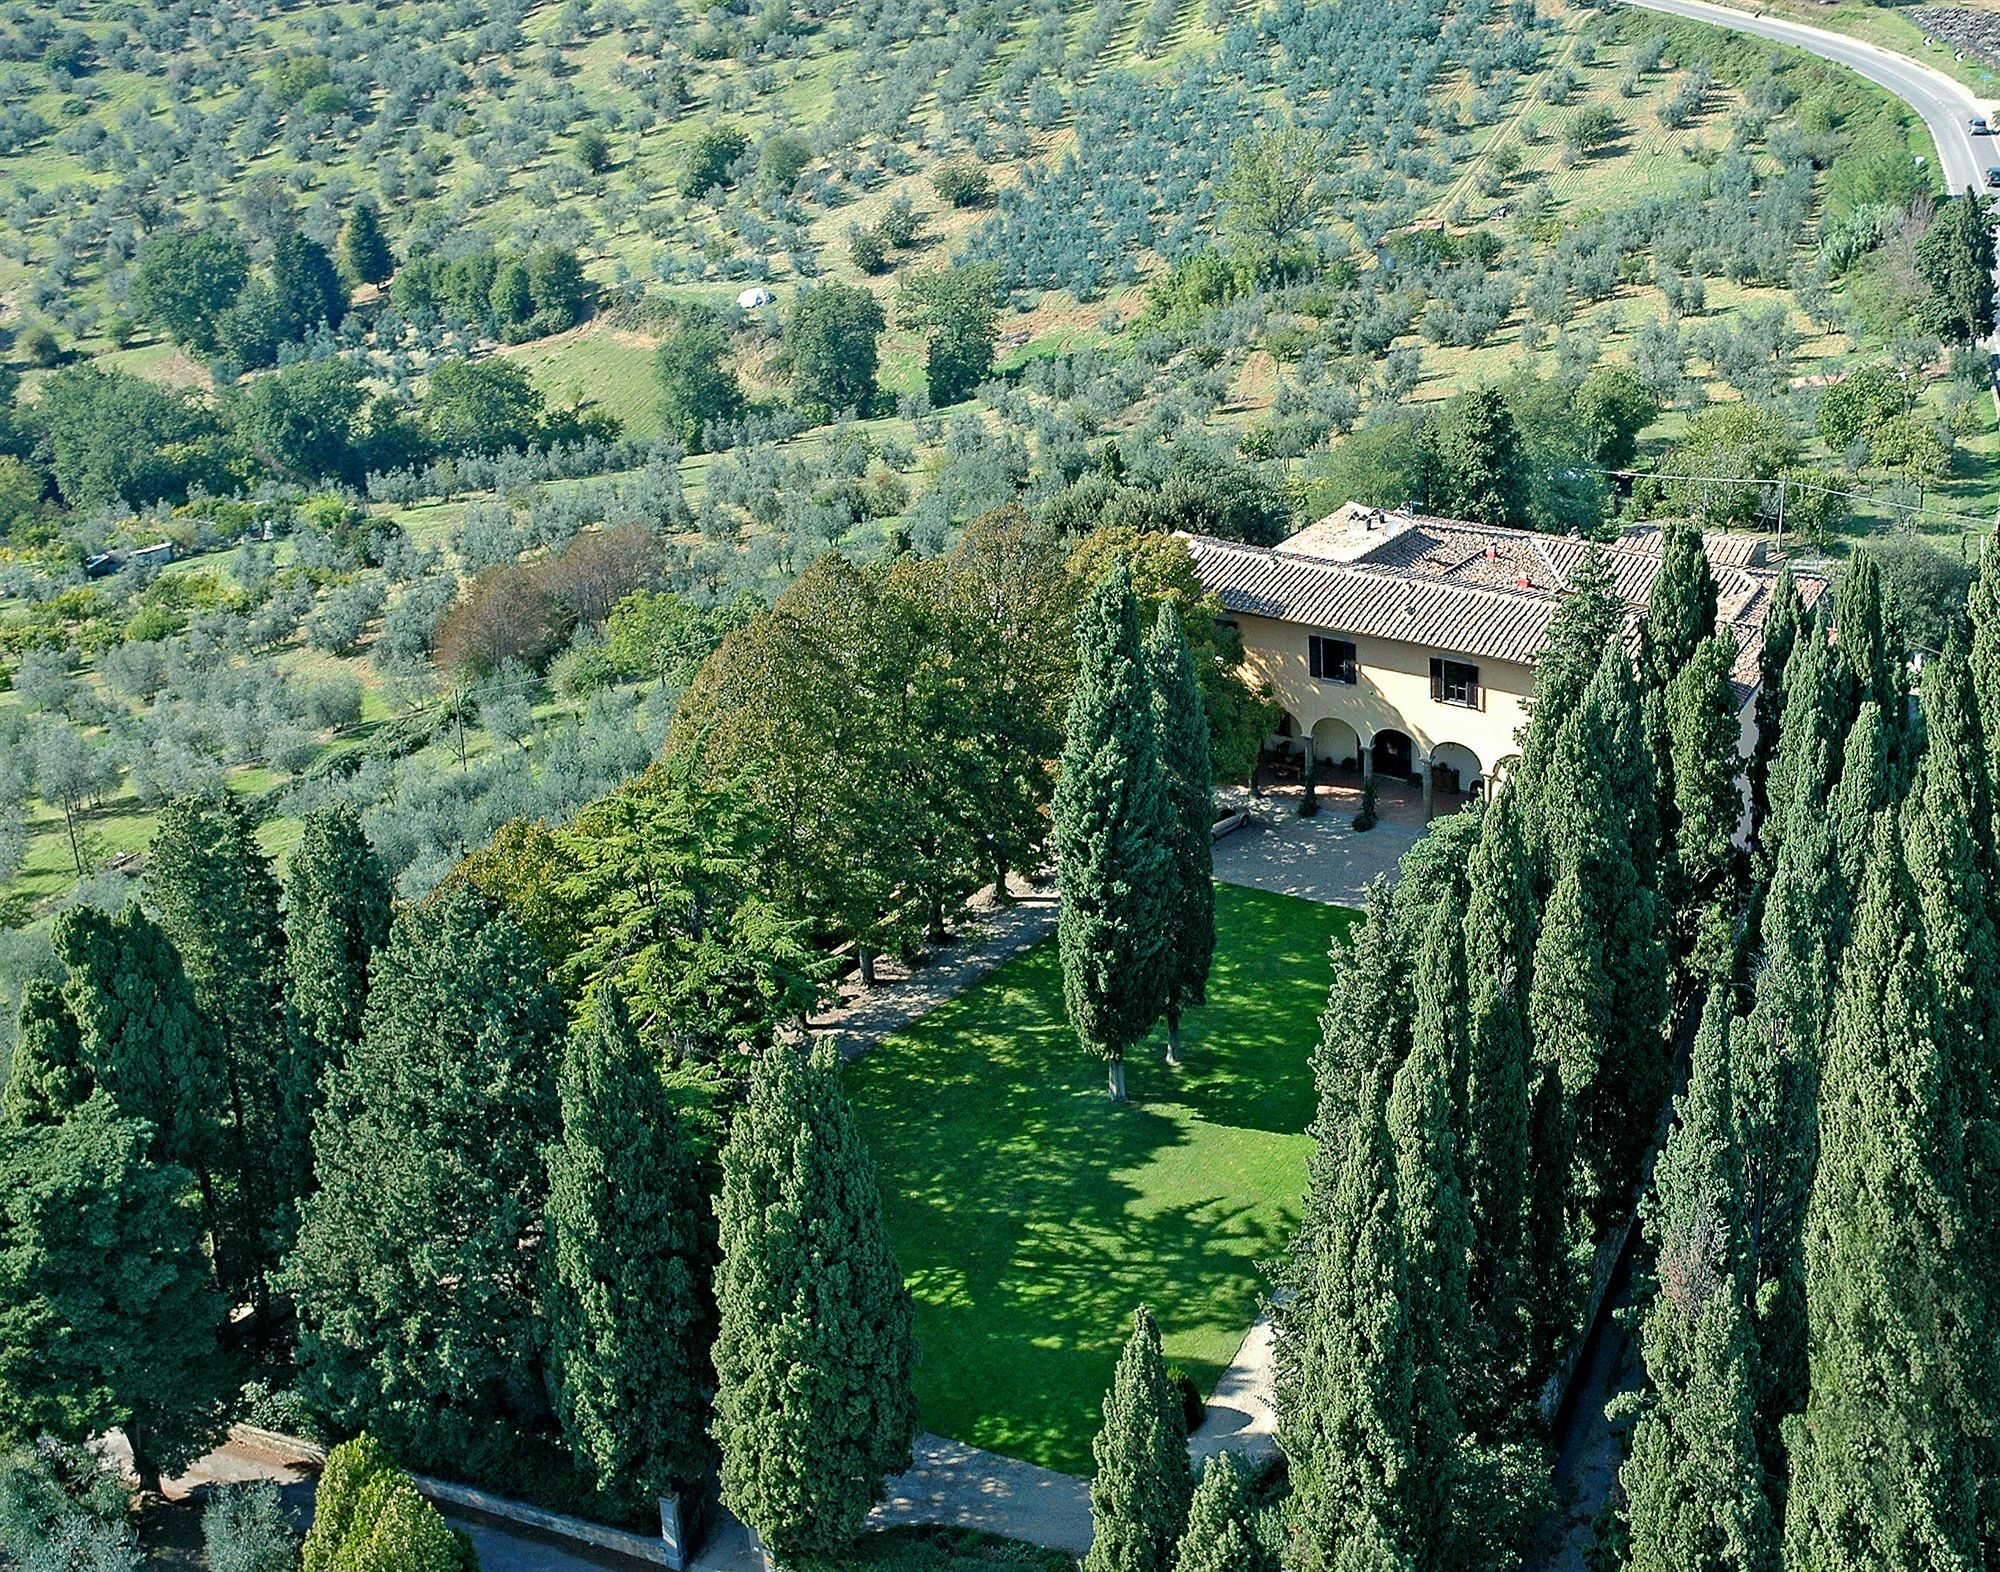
[{"x": 1492, "y": 552}]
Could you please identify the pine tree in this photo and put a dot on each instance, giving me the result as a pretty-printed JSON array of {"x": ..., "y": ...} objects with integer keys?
[
  {"x": 1708, "y": 802},
  {"x": 1693, "y": 1481},
  {"x": 148, "y": 1047},
  {"x": 210, "y": 888},
  {"x": 630, "y": 1315},
  {"x": 1345, "y": 1373},
  {"x": 1437, "y": 1243},
  {"x": 1780, "y": 637},
  {"x": 47, "y": 1079},
  {"x": 337, "y": 911},
  {"x": 1183, "y": 744},
  {"x": 364, "y": 249},
  {"x": 108, "y": 1314},
  {"x": 1680, "y": 611},
  {"x": 416, "y": 1268},
  {"x": 1776, "y": 1055},
  {"x": 1499, "y": 932},
  {"x": 1140, "y": 1493},
  {"x": 813, "y": 1409},
  {"x": 1220, "y": 1535},
  {"x": 1112, "y": 822},
  {"x": 1882, "y": 1474}
]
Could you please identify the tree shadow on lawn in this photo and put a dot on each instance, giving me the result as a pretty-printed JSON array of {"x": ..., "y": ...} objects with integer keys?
[{"x": 1031, "y": 1214}]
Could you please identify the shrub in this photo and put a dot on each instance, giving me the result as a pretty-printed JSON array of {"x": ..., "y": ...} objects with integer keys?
[
  {"x": 1193, "y": 1409},
  {"x": 709, "y": 159},
  {"x": 1365, "y": 819},
  {"x": 961, "y": 183},
  {"x": 245, "y": 1529},
  {"x": 38, "y": 345},
  {"x": 865, "y": 251}
]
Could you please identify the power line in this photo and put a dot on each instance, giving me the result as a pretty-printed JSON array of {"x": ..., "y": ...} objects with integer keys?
[{"x": 1782, "y": 481}]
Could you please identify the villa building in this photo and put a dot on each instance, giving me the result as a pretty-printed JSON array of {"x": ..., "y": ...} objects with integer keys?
[{"x": 1404, "y": 647}]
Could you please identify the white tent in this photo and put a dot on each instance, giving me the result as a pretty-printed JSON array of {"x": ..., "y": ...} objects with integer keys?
[{"x": 754, "y": 297}]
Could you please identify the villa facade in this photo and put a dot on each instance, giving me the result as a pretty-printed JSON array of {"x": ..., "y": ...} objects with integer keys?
[{"x": 1404, "y": 647}]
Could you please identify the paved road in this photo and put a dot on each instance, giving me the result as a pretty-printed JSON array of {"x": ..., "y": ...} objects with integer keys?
[{"x": 1944, "y": 105}]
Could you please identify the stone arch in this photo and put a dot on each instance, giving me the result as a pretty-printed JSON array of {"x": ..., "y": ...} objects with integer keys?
[
  {"x": 1336, "y": 744},
  {"x": 1393, "y": 754},
  {"x": 1455, "y": 767}
]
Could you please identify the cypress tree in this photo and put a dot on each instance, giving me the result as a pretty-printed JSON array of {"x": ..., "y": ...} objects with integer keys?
[
  {"x": 1863, "y": 791},
  {"x": 1111, "y": 828},
  {"x": 1882, "y": 1474},
  {"x": 1954, "y": 898},
  {"x": 1345, "y": 1374},
  {"x": 1588, "y": 620},
  {"x": 364, "y": 250},
  {"x": 337, "y": 911},
  {"x": 1708, "y": 803},
  {"x": 1369, "y": 1549},
  {"x": 1183, "y": 723},
  {"x": 1139, "y": 1496},
  {"x": 148, "y": 1047},
  {"x": 1780, "y": 636},
  {"x": 1693, "y": 1481},
  {"x": 1437, "y": 1242},
  {"x": 1366, "y": 1028},
  {"x": 209, "y": 886},
  {"x": 1499, "y": 931},
  {"x": 631, "y": 1319},
  {"x": 813, "y": 1408},
  {"x": 47, "y": 1079},
  {"x": 1809, "y": 739},
  {"x": 1570, "y": 1008},
  {"x": 1220, "y": 1536},
  {"x": 1551, "y": 1289},
  {"x": 1873, "y": 667},
  {"x": 1983, "y": 606},
  {"x": 1680, "y": 611},
  {"x": 1775, "y": 1058},
  {"x": 418, "y": 1257}
]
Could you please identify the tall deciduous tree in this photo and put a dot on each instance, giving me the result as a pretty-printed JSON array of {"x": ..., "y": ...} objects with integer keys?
[
  {"x": 210, "y": 888},
  {"x": 1882, "y": 1474},
  {"x": 629, "y": 1301},
  {"x": 1190, "y": 866},
  {"x": 337, "y": 910},
  {"x": 108, "y": 1314},
  {"x": 1112, "y": 823},
  {"x": 1478, "y": 465},
  {"x": 813, "y": 1408},
  {"x": 417, "y": 1264},
  {"x": 1345, "y": 1368},
  {"x": 1139, "y": 1496},
  {"x": 1694, "y": 1481}
]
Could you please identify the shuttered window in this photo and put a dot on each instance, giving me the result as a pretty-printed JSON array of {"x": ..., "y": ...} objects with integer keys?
[
  {"x": 1455, "y": 682},
  {"x": 1332, "y": 659}
]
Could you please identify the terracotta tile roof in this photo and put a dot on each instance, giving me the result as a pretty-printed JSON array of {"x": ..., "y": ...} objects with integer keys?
[{"x": 1468, "y": 588}]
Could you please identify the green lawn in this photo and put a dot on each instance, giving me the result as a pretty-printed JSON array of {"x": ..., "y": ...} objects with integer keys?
[{"x": 1031, "y": 1215}]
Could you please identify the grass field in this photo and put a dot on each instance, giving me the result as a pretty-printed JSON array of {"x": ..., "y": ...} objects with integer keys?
[{"x": 1031, "y": 1215}]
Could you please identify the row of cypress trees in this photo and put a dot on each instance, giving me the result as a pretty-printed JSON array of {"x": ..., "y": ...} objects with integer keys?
[
  {"x": 509, "y": 1249},
  {"x": 1132, "y": 820},
  {"x": 1496, "y": 1055},
  {"x": 1824, "y": 1234}
]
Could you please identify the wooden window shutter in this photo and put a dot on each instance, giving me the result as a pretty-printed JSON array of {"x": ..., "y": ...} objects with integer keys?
[{"x": 1437, "y": 680}]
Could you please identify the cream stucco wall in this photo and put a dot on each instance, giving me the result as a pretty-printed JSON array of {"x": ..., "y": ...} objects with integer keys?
[{"x": 1392, "y": 690}]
